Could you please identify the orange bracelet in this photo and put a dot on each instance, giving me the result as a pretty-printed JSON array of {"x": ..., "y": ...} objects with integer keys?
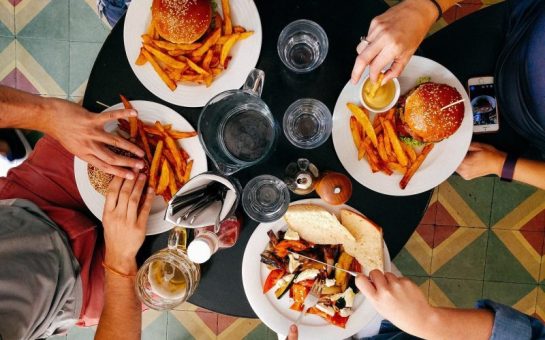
[{"x": 113, "y": 271}]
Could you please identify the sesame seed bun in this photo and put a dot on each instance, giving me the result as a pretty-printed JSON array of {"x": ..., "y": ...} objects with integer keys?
[
  {"x": 423, "y": 117},
  {"x": 181, "y": 21}
]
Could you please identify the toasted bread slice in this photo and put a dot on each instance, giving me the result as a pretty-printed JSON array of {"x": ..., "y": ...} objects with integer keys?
[
  {"x": 317, "y": 225},
  {"x": 368, "y": 248}
]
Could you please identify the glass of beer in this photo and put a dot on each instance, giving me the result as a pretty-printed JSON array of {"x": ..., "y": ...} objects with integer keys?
[{"x": 168, "y": 278}]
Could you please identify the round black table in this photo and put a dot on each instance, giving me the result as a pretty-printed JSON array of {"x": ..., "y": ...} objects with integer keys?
[{"x": 221, "y": 288}]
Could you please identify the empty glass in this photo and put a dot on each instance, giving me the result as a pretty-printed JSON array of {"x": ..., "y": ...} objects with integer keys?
[
  {"x": 265, "y": 198},
  {"x": 302, "y": 46},
  {"x": 307, "y": 123}
]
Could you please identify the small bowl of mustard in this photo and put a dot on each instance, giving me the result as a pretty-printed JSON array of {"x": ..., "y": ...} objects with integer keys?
[{"x": 377, "y": 98}]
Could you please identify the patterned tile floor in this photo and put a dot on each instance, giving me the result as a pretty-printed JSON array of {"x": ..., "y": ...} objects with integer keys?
[{"x": 479, "y": 239}]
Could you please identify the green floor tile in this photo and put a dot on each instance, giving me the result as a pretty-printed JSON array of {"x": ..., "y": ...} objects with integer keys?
[
  {"x": 82, "y": 58},
  {"x": 85, "y": 25},
  {"x": 507, "y": 196},
  {"x": 463, "y": 293},
  {"x": 476, "y": 193},
  {"x": 157, "y": 330},
  {"x": 509, "y": 293},
  {"x": 4, "y": 31},
  {"x": 468, "y": 263},
  {"x": 4, "y": 42},
  {"x": 50, "y": 23},
  {"x": 502, "y": 265},
  {"x": 261, "y": 332},
  {"x": 407, "y": 265},
  {"x": 175, "y": 330}
]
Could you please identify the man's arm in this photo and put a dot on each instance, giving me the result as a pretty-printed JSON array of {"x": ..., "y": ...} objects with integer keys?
[
  {"x": 124, "y": 233},
  {"x": 530, "y": 172},
  {"x": 78, "y": 130}
]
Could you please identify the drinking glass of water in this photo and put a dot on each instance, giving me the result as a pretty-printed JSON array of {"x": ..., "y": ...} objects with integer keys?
[
  {"x": 302, "y": 46},
  {"x": 265, "y": 198},
  {"x": 307, "y": 123}
]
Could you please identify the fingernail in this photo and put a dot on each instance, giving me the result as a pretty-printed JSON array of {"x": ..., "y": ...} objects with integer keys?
[
  {"x": 133, "y": 113},
  {"x": 130, "y": 176},
  {"x": 140, "y": 153},
  {"x": 140, "y": 165},
  {"x": 293, "y": 328}
]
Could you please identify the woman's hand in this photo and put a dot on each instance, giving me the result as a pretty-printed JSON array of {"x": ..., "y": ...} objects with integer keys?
[
  {"x": 393, "y": 37},
  {"x": 481, "y": 160},
  {"x": 82, "y": 133},
  {"x": 124, "y": 223}
]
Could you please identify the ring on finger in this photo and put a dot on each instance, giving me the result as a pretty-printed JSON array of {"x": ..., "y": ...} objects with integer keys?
[{"x": 363, "y": 38}]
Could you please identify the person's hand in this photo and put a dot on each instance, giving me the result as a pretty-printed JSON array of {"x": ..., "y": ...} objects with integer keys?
[
  {"x": 124, "y": 223},
  {"x": 293, "y": 334},
  {"x": 82, "y": 134},
  {"x": 393, "y": 37},
  {"x": 397, "y": 299},
  {"x": 481, "y": 160}
]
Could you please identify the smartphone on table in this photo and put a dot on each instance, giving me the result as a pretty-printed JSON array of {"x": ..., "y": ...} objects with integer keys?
[{"x": 482, "y": 95}]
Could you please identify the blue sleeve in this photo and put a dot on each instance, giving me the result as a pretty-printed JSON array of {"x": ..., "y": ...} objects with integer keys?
[{"x": 512, "y": 324}]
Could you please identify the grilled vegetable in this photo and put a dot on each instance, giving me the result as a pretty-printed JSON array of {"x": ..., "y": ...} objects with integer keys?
[
  {"x": 271, "y": 280},
  {"x": 270, "y": 259},
  {"x": 273, "y": 238},
  {"x": 285, "y": 287},
  {"x": 341, "y": 277}
]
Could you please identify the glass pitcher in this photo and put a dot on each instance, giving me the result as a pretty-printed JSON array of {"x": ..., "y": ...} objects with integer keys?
[
  {"x": 168, "y": 278},
  {"x": 237, "y": 128}
]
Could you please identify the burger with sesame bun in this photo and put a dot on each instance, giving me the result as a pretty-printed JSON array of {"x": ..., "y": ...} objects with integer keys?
[
  {"x": 421, "y": 117},
  {"x": 100, "y": 180},
  {"x": 181, "y": 21}
]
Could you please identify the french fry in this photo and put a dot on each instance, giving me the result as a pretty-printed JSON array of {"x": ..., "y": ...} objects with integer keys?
[
  {"x": 147, "y": 39},
  {"x": 396, "y": 167},
  {"x": 375, "y": 86},
  {"x": 177, "y": 53},
  {"x": 389, "y": 115},
  {"x": 133, "y": 121},
  {"x": 155, "y": 165},
  {"x": 245, "y": 35},
  {"x": 364, "y": 121},
  {"x": 187, "y": 173},
  {"x": 396, "y": 144},
  {"x": 227, "y": 24},
  {"x": 209, "y": 42},
  {"x": 196, "y": 67},
  {"x": 172, "y": 183},
  {"x": 414, "y": 167},
  {"x": 151, "y": 29},
  {"x": 179, "y": 172},
  {"x": 207, "y": 59},
  {"x": 171, "y": 85},
  {"x": 181, "y": 135},
  {"x": 218, "y": 21},
  {"x": 356, "y": 130},
  {"x": 371, "y": 157},
  {"x": 409, "y": 151},
  {"x": 381, "y": 149},
  {"x": 227, "y": 48},
  {"x": 171, "y": 145},
  {"x": 165, "y": 58},
  {"x": 141, "y": 60},
  {"x": 163, "y": 178},
  {"x": 193, "y": 78},
  {"x": 144, "y": 139},
  {"x": 166, "y": 45},
  {"x": 239, "y": 29}
]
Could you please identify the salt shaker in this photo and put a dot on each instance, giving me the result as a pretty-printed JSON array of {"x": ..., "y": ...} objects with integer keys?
[
  {"x": 301, "y": 176},
  {"x": 206, "y": 243}
]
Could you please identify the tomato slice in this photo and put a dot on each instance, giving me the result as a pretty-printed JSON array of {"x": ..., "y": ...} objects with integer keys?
[
  {"x": 307, "y": 283},
  {"x": 271, "y": 280},
  {"x": 337, "y": 320},
  {"x": 282, "y": 247}
]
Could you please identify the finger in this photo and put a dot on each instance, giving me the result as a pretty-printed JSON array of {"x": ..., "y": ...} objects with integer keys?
[
  {"x": 121, "y": 143},
  {"x": 109, "y": 116},
  {"x": 134, "y": 200},
  {"x": 378, "y": 279},
  {"x": 108, "y": 168},
  {"x": 395, "y": 70},
  {"x": 124, "y": 195},
  {"x": 365, "y": 286},
  {"x": 361, "y": 46},
  {"x": 294, "y": 333},
  {"x": 146, "y": 207},
  {"x": 391, "y": 278},
  {"x": 363, "y": 59},
  {"x": 112, "y": 193},
  {"x": 112, "y": 158},
  {"x": 381, "y": 61},
  {"x": 475, "y": 146}
]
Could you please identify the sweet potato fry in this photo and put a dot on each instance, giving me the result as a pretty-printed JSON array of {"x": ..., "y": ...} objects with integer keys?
[
  {"x": 227, "y": 48},
  {"x": 163, "y": 178},
  {"x": 166, "y": 45},
  {"x": 165, "y": 58},
  {"x": 227, "y": 23},
  {"x": 381, "y": 149},
  {"x": 409, "y": 151},
  {"x": 171, "y": 145},
  {"x": 178, "y": 171},
  {"x": 209, "y": 42},
  {"x": 364, "y": 121},
  {"x": 172, "y": 183},
  {"x": 187, "y": 173},
  {"x": 181, "y": 135},
  {"x": 356, "y": 131},
  {"x": 396, "y": 144},
  {"x": 155, "y": 165},
  {"x": 171, "y": 85},
  {"x": 396, "y": 167},
  {"x": 414, "y": 167},
  {"x": 133, "y": 121},
  {"x": 144, "y": 139}
]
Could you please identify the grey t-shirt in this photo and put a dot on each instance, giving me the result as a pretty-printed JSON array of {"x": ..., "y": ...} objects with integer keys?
[{"x": 40, "y": 286}]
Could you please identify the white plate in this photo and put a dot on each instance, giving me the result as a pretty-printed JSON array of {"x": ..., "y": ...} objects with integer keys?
[
  {"x": 147, "y": 112},
  {"x": 440, "y": 163},
  {"x": 245, "y": 54},
  {"x": 276, "y": 314}
]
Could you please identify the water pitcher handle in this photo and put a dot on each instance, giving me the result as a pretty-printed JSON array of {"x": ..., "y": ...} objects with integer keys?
[
  {"x": 177, "y": 239},
  {"x": 254, "y": 81}
]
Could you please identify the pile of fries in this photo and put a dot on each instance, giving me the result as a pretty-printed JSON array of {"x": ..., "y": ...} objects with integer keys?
[
  {"x": 170, "y": 165},
  {"x": 379, "y": 144},
  {"x": 198, "y": 63}
]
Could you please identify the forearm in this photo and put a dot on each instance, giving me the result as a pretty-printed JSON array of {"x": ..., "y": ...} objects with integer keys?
[
  {"x": 448, "y": 323},
  {"x": 530, "y": 172},
  {"x": 23, "y": 110},
  {"x": 122, "y": 313}
]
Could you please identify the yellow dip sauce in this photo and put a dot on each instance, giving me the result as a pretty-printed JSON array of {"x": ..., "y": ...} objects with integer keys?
[{"x": 383, "y": 97}]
